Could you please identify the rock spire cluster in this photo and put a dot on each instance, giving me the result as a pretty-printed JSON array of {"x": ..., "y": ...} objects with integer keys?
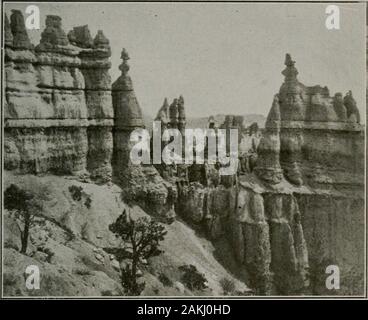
[
  {"x": 173, "y": 115},
  {"x": 19, "y": 33}
]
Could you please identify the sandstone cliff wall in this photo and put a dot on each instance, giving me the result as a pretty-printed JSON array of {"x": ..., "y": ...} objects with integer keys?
[
  {"x": 312, "y": 156},
  {"x": 58, "y": 111},
  {"x": 286, "y": 237}
]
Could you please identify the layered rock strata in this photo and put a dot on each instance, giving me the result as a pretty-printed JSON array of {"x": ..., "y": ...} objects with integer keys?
[
  {"x": 141, "y": 183},
  {"x": 66, "y": 126},
  {"x": 310, "y": 137},
  {"x": 310, "y": 212},
  {"x": 203, "y": 195},
  {"x": 267, "y": 236},
  {"x": 302, "y": 211}
]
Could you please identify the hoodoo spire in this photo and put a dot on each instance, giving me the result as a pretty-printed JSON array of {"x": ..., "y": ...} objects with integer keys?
[
  {"x": 19, "y": 31},
  {"x": 7, "y": 32},
  {"x": 124, "y": 66},
  {"x": 124, "y": 82},
  {"x": 181, "y": 112},
  {"x": 128, "y": 113},
  {"x": 162, "y": 113},
  {"x": 100, "y": 41},
  {"x": 290, "y": 72}
]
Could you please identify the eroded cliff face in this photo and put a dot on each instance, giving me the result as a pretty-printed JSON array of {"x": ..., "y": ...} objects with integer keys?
[
  {"x": 263, "y": 226},
  {"x": 303, "y": 209},
  {"x": 58, "y": 111},
  {"x": 334, "y": 230},
  {"x": 269, "y": 237},
  {"x": 141, "y": 183},
  {"x": 295, "y": 206},
  {"x": 287, "y": 236},
  {"x": 311, "y": 138},
  {"x": 311, "y": 166}
]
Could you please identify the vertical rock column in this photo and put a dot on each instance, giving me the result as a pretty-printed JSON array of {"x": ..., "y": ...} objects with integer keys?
[
  {"x": 181, "y": 118},
  {"x": 268, "y": 163},
  {"x": 8, "y": 41},
  {"x": 289, "y": 255},
  {"x": 45, "y": 111},
  {"x": 140, "y": 182},
  {"x": 127, "y": 116},
  {"x": 252, "y": 238},
  {"x": 58, "y": 107},
  {"x": 95, "y": 67},
  {"x": 292, "y": 108},
  {"x": 267, "y": 236},
  {"x": 17, "y": 49},
  {"x": 63, "y": 84}
]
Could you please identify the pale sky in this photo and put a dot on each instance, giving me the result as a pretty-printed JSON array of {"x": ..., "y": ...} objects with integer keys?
[{"x": 223, "y": 57}]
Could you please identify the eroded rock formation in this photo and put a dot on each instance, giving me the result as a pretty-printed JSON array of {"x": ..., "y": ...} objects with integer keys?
[
  {"x": 311, "y": 166},
  {"x": 140, "y": 183},
  {"x": 288, "y": 222},
  {"x": 299, "y": 210},
  {"x": 204, "y": 197},
  {"x": 173, "y": 115},
  {"x": 310, "y": 137},
  {"x": 66, "y": 127}
]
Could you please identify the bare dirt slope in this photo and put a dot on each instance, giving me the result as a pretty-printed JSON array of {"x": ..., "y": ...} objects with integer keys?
[{"x": 68, "y": 243}]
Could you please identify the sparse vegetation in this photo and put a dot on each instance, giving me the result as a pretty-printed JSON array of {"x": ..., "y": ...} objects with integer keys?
[
  {"x": 156, "y": 291},
  {"x": 192, "y": 278},
  {"x": 88, "y": 202},
  {"x": 165, "y": 280},
  {"x": 23, "y": 206},
  {"x": 228, "y": 286},
  {"x": 9, "y": 280},
  {"x": 142, "y": 238},
  {"x": 47, "y": 251},
  {"x": 78, "y": 194}
]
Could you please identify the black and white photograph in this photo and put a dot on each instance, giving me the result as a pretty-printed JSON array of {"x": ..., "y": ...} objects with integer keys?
[{"x": 183, "y": 150}]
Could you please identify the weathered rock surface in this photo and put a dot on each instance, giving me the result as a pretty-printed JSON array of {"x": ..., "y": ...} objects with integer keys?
[
  {"x": 173, "y": 115},
  {"x": 285, "y": 228},
  {"x": 301, "y": 211},
  {"x": 310, "y": 137},
  {"x": 286, "y": 236},
  {"x": 66, "y": 126},
  {"x": 270, "y": 240},
  {"x": 141, "y": 183},
  {"x": 19, "y": 32},
  {"x": 316, "y": 143},
  {"x": 69, "y": 243}
]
